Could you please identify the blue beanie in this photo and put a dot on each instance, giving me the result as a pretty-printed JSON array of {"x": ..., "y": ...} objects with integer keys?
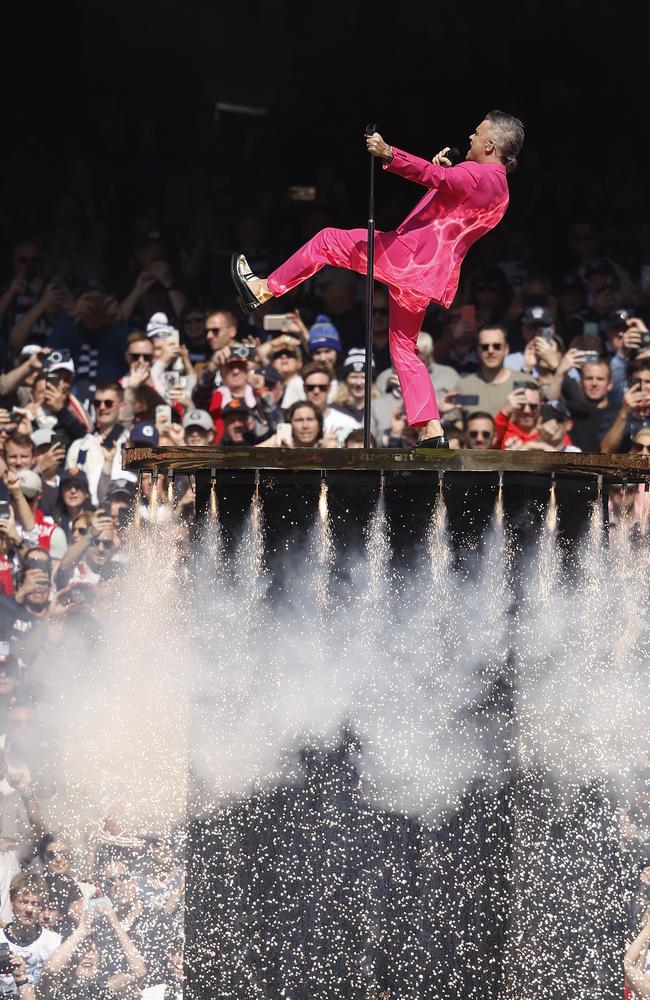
[{"x": 323, "y": 333}]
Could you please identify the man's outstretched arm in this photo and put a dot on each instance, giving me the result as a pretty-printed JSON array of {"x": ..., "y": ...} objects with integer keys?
[{"x": 461, "y": 179}]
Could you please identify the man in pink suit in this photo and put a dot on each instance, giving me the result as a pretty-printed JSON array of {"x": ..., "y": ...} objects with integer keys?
[{"x": 420, "y": 261}]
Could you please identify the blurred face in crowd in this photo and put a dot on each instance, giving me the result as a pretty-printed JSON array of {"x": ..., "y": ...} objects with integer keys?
[
  {"x": 480, "y": 433},
  {"x": 27, "y": 257},
  {"x": 198, "y": 436},
  {"x": 380, "y": 315},
  {"x": 19, "y": 456},
  {"x": 121, "y": 884},
  {"x": 50, "y": 916},
  {"x": 595, "y": 381},
  {"x": 640, "y": 445},
  {"x": 219, "y": 327},
  {"x": 304, "y": 426},
  {"x": 73, "y": 496},
  {"x": 38, "y": 390},
  {"x": 325, "y": 356},
  {"x": 21, "y": 730},
  {"x": 38, "y": 559},
  {"x": 194, "y": 327},
  {"x": 115, "y": 506},
  {"x": 27, "y": 905},
  {"x": 235, "y": 376},
  {"x": 80, "y": 527},
  {"x": 356, "y": 382},
  {"x": 107, "y": 409},
  {"x": 8, "y": 678},
  {"x": 101, "y": 548},
  {"x": 286, "y": 362},
  {"x": 87, "y": 967},
  {"x": 235, "y": 426},
  {"x": 553, "y": 431},
  {"x": 140, "y": 351},
  {"x": 64, "y": 382},
  {"x": 316, "y": 386},
  {"x": 492, "y": 349},
  {"x": 526, "y": 416},
  {"x": 57, "y": 857}
]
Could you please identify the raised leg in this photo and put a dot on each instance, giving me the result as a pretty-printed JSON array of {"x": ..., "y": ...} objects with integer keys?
[{"x": 338, "y": 247}]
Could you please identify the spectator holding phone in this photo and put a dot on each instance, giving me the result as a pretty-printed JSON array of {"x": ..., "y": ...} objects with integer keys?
[
  {"x": 541, "y": 343},
  {"x": 285, "y": 356},
  {"x": 633, "y": 412},
  {"x": 24, "y": 935},
  {"x": 303, "y": 429},
  {"x": 84, "y": 559},
  {"x": 553, "y": 426},
  {"x": 493, "y": 382},
  {"x": 592, "y": 411}
]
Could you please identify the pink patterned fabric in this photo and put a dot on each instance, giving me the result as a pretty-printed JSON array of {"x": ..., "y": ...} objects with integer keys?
[{"x": 419, "y": 262}]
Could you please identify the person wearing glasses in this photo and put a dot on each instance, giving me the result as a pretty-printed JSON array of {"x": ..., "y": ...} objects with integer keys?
[
  {"x": 86, "y": 556},
  {"x": 516, "y": 422},
  {"x": 99, "y": 453},
  {"x": 420, "y": 261},
  {"x": 480, "y": 433},
  {"x": 493, "y": 382}
]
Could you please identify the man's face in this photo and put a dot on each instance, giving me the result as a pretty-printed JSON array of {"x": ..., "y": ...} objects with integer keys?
[
  {"x": 304, "y": 426},
  {"x": 50, "y": 916},
  {"x": 27, "y": 907},
  {"x": 235, "y": 376},
  {"x": 325, "y": 356},
  {"x": 595, "y": 382},
  {"x": 526, "y": 416},
  {"x": 57, "y": 857},
  {"x": 40, "y": 595},
  {"x": 217, "y": 327},
  {"x": 101, "y": 548},
  {"x": 480, "y": 433},
  {"x": 87, "y": 967},
  {"x": 194, "y": 327},
  {"x": 286, "y": 363},
  {"x": 356, "y": 382},
  {"x": 198, "y": 436},
  {"x": 107, "y": 406},
  {"x": 121, "y": 884},
  {"x": 553, "y": 431},
  {"x": 140, "y": 351},
  {"x": 492, "y": 348},
  {"x": 480, "y": 142},
  {"x": 317, "y": 386},
  {"x": 235, "y": 426},
  {"x": 640, "y": 445},
  {"x": 19, "y": 456}
]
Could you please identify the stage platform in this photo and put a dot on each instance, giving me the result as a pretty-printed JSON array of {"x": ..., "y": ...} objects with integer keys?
[{"x": 189, "y": 460}]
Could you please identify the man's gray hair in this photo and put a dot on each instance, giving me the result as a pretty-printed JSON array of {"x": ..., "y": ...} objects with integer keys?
[{"x": 508, "y": 134}]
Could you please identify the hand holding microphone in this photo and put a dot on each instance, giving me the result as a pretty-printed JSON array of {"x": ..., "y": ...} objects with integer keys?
[{"x": 447, "y": 157}]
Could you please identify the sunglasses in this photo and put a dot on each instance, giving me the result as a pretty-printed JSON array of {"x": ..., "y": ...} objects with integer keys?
[
  {"x": 381, "y": 310},
  {"x": 317, "y": 386},
  {"x": 533, "y": 407},
  {"x": 283, "y": 354},
  {"x": 213, "y": 329},
  {"x": 51, "y": 855},
  {"x": 640, "y": 449},
  {"x": 491, "y": 347},
  {"x": 138, "y": 356},
  {"x": 107, "y": 403},
  {"x": 105, "y": 543},
  {"x": 80, "y": 531},
  {"x": 481, "y": 434}
]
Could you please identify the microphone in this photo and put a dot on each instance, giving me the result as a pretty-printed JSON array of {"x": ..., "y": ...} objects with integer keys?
[{"x": 453, "y": 154}]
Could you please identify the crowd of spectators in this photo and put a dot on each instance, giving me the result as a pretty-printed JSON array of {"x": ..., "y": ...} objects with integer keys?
[{"x": 116, "y": 339}]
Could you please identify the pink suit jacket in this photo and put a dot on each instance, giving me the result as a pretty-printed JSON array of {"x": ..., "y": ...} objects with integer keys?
[{"x": 462, "y": 204}]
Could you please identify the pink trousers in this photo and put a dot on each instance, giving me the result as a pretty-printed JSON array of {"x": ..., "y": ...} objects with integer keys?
[{"x": 348, "y": 248}]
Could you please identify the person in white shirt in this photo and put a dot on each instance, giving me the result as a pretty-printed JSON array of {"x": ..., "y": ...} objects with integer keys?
[{"x": 24, "y": 935}]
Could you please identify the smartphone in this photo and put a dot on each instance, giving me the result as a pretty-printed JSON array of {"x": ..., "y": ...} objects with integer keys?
[
  {"x": 521, "y": 385},
  {"x": 53, "y": 378},
  {"x": 590, "y": 357},
  {"x": 466, "y": 400},
  {"x": 16, "y": 416},
  {"x": 4, "y": 510},
  {"x": 279, "y": 321},
  {"x": 468, "y": 315},
  {"x": 173, "y": 379},
  {"x": 123, "y": 518},
  {"x": 302, "y": 193},
  {"x": 163, "y": 414},
  {"x": 546, "y": 333},
  {"x": 284, "y": 435}
]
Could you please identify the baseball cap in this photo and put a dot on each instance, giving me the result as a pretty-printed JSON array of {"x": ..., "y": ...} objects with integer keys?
[
  {"x": 271, "y": 375},
  {"x": 30, "y": 482},
  {"x": 121, "y": 488},
  {"x": 76, "y": 477},
  {"x": 56, "y": 363},
  {"x": 555, "y": 409},
  {"x": 323, "y": 333},
  {"x": 334, "y": 276},
  {"x": 355, "y": 361},
  {"x": 42, "y": 436},
  {"x": 537, "y": 316},
  {"x": 198, "y": 418},
  {"x": 144, "y": 435},
  {"x": 235, "y": 406}
]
